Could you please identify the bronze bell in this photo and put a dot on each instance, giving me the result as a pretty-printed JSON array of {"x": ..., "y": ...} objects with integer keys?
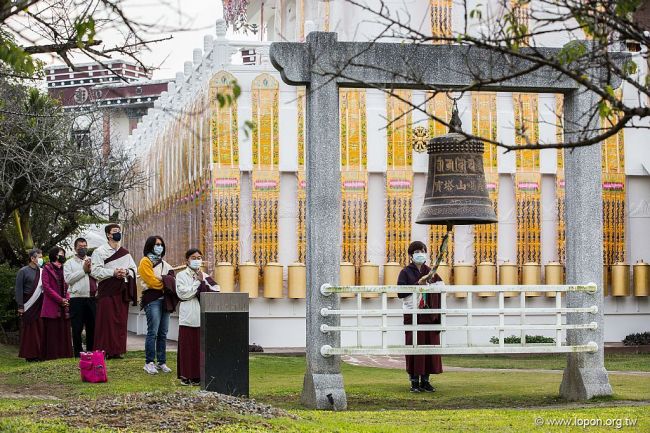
[{"x": 456, "y": 192}]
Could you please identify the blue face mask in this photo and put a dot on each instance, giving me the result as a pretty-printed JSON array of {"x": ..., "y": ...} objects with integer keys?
[
  {"x": 158, "y": 250},
  {"x": 419, "y": 258},
  {"x": 195, "y": 264}
]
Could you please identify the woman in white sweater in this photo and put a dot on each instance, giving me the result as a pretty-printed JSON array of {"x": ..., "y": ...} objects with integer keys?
[{"x": 190, "y": 283}]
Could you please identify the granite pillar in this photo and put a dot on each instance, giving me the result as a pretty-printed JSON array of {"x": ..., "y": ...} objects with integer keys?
[{"x": 585, "y": 375}]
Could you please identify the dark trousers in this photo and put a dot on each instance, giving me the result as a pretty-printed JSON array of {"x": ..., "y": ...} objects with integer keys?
[{"x": 82, "y": 315}]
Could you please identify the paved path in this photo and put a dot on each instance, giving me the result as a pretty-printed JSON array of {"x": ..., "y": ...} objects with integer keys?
[
  {"x": 136, "y": 342},
  {"x": 397, "y": 362}
]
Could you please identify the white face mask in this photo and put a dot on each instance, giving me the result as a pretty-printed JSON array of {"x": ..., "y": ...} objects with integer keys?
[
  {"x": 195, "y": 264},
  {"x": 40, "y": 262},
  {"x": 419, "y": 258}
]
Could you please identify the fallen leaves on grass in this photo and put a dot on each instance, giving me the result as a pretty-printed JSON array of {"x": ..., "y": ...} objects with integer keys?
[{"x": 177, "y": 411}]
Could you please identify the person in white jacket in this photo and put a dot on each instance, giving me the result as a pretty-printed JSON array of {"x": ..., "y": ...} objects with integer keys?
[{"x": 190, "y": 283}]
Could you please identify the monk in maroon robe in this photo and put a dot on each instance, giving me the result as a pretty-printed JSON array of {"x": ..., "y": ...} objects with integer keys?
[
  {"x": 29, "y": 297},
  {"x": 419, "y": 367},
  {"x": 114, "y": 269}
]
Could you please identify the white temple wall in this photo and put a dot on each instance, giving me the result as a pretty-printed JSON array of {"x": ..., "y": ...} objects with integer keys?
[{"x": 281, "y": 322}]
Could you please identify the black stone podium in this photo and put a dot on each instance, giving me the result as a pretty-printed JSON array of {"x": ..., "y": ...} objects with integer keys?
[{"x": 224, "y": 343}]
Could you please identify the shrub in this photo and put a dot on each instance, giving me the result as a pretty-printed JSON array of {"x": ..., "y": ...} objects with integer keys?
[
  {"x": 639, "y": 339},
  {"x": 9, "y": 321},
  {"x": 513, "y": 339}
]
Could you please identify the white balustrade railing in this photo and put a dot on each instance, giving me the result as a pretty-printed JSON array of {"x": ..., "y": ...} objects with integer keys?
[{"x": 469, "y": 312}]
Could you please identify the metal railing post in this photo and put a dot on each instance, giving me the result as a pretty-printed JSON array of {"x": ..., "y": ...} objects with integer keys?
[
  {"x": 359, "y": 319},
  {"x": 384, "y": 319},
  {"x": 502, "y": 322},
  {"x": 443, "y": 319},
  {"x": 522, "y": 320},
  {"x": 558, "y": 319},
  {"x": 469, "y": 318}
]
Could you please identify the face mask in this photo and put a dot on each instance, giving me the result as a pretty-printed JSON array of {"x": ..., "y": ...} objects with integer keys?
[
  {"x": 419, "y": 258},
  {"x": 117, "y": 236},
  {"x": 60, "y": 259},
  {"x": 158, "y": 250},
  {"x": 195, "y": 264},
  {"x": 81, "y": 252},
  {"x": 40, "y": 262}
]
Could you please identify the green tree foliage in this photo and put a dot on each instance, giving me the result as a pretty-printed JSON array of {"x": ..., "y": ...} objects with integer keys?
[{"x": 50, "y": 183}]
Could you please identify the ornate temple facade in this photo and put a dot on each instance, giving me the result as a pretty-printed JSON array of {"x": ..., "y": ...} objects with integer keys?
[{"x": 223, "y": 149}]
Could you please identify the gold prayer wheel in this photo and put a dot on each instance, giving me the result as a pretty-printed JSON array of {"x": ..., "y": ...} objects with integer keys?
[
  {"x": 347, "y": 277},
  {"x": 486, "y": 275},
  {"x": 391, "y": 274},
  {"x": 444, "y": 271},
  {"x": 297, "y": 281},
  {"x": 532, "y": 274},
  {"x": 620, "y": 279},
  {"x": 369, "y": 276},
  {"x": 607, "y": 280},
  {"x": 224, "y": 275},
  {"x": 641, "y": 278},
  {"x": 249, "y": 279},
  {"x": 273, "y": 280},
  {"x": 463, "y": 276},
  {"x": 508, "y": 276},
  {"x": 553, "y": 275}
]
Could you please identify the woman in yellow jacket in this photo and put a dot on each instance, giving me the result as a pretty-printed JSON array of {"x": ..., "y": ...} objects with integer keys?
[{"x": 151, "y": 269}]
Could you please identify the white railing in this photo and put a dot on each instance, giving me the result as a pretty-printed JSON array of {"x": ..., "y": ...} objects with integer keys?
[{"x": 469, "y": 311}]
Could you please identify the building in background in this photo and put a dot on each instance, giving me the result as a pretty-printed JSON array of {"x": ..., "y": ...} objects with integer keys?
[{"x": 110, "y": 99}]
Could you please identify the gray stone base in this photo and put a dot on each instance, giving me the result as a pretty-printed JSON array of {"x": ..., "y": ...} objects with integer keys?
[
  {"x": 580, "y": 384},
  {"x": 324, "y": 391}
]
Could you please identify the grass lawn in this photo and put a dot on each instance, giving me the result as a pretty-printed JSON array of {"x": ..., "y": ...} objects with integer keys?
[
  {"x": 613, "y": 362},
  {"x": 378, "y": 399}
]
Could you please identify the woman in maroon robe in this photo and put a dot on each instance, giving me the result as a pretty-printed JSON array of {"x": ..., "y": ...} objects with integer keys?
[
  {"x": 57, "y": 338},
  {"x": 419, "y": 367}
]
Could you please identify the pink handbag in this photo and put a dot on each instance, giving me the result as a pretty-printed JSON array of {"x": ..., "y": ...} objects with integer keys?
[{"x": 92, "y": 366}]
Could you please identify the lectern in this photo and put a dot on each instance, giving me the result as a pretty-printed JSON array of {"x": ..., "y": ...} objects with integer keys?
[{"x": 224, "y": 343}]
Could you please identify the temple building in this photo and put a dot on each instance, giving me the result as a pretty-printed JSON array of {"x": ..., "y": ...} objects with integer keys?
[
  {"x": 107, "y": 98},
  {"x": 227, "y": 174}
]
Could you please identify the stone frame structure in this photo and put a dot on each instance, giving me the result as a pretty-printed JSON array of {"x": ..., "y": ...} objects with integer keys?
[{"x": 324, "y": 65}]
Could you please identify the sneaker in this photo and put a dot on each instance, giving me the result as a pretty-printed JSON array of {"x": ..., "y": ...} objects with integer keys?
[
  {"x": 150, "y": 368},
  {"x": 186, "y": 382},
  {"x": 415, "y": 387},
  {"x": 426, "y": 386},
  {"x": 196, "y": 383},
  {"x": 163, "y": 368}
]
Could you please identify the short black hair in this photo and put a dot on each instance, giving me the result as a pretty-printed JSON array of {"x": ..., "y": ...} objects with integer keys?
[
  {"x": 415, "y": 246},
  {"x": 149, "y": 244},
  {"x": 76, "y": 241},
  {"x": 111, "y": 226},
  {"x": 54, "y": 252},
  {"x": 34, "y": 252},
  {"x": 191, "y": 251}
]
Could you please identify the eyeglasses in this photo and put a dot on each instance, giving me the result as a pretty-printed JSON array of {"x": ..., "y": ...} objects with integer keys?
[{"x": 160, "y": 245}]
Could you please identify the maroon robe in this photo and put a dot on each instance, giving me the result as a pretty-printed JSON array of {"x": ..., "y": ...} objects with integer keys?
[
  {"x": 419, "y": 365},
  {"x": 31, "y": 326},
  {"x": 113, "y": 296},
  {"x": 188, "y": 357},
  {"x": 57, "y": 336}
]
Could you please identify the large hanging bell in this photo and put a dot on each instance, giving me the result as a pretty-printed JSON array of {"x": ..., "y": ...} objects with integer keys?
[{"x": 456, "y": 191}]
